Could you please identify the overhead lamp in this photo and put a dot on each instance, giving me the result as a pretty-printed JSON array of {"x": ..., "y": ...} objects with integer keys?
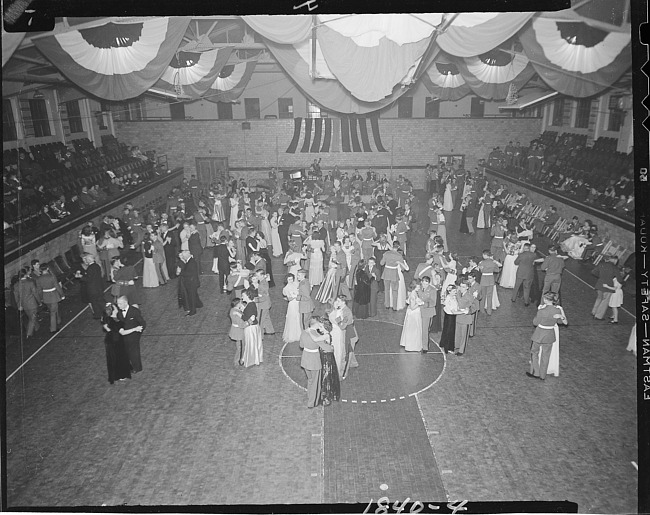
[{"x": 38, "y": 94}]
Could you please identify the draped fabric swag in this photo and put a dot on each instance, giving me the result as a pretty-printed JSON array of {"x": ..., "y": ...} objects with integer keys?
[
  {"x": 231, "y": 82},
  {"x": 196, "y": 77},
  {"x": 116, "y": 61},
  {"x": 362, "y": 62},
  {"x": 575, "y": 58}
]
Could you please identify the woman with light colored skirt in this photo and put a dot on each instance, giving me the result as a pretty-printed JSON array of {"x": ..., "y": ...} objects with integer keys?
[
  {"x": 292, "y": 329},
  {"x": 411, "y": 338}
]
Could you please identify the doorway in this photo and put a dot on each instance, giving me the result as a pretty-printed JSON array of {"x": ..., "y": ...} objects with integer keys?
[{"x": 212, "y": 170}]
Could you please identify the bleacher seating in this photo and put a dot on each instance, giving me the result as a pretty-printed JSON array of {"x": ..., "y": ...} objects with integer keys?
[
  {"x": 596, "y": 176},
  {"x": 41, "y": 183}
]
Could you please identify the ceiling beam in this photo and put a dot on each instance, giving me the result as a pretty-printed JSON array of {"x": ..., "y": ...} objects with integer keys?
[
  {"x": 31, "y": 60},
  {"x": 33, "y": 79}
]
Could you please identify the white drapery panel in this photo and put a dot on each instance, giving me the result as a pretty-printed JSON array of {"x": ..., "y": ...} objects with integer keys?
[{"x": 114, "y": 61}]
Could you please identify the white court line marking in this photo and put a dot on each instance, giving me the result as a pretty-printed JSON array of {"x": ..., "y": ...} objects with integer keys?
[
  {"x": 43, "y": 346},
  {"x": 53, "y": 336},
  {"x": 426, "y": 428},
  {"x": 284, "y": 371}
]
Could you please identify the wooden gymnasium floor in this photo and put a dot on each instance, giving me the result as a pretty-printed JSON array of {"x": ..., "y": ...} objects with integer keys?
[{"x": 194, "y": 429}]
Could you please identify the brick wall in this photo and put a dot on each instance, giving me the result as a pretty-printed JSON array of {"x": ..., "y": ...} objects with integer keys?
[{"x": 251, "y": 153}]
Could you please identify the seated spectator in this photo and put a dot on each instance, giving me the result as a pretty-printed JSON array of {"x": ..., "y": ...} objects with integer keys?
[
  {"x": 625, "y": 204},
  {"x": 622, "y": 200},
  {"x": 46, "y": 217},
  {"x": 98, "y": 194},
  {"x": 86, "y": 199},
  {"x": 595, "y": 244},
  {"x": 581, "y": 190},
  {"x": 114, "y": 188},
  {"x": 593, "y": 197},
  {"x": 74, "y": 206},
  {"x": 549, "y": 219}
]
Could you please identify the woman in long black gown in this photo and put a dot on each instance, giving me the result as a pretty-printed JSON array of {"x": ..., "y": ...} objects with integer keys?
[
  {"x": 464, "y": 228},
  {"x": 450, "y": 308},
  {"x": 330, "y": 382},
  {"x": 361, "y": 302},
  {"x": 117, "y": 360},
  {"x": 436, "y": 320}
]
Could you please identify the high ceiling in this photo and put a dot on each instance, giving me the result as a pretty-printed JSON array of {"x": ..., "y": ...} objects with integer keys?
[{"x": 358, "y": 63}]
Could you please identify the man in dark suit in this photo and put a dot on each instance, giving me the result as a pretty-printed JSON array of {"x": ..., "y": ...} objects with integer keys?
[
  {"x": 94, "y": 284},
  {"x": 169, "y": 245},
  {"x": 223, "y": 262},
  {"x": 194, "y": 244},
  {"x": 27, "y": 300},
  {"x": 525, "y": 273},
  {"x": 285, "y": 220},
  {"x": 188, "y": 285},
  {"x": 134, "y": 324}
]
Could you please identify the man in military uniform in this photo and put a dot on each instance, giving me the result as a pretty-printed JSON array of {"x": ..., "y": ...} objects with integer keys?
[
  {"x": 546, "y": 319},
  {"x": 390, "y": 261},
  {"x": 50, "y": 293},
  {"x": 427, "y": 294}
]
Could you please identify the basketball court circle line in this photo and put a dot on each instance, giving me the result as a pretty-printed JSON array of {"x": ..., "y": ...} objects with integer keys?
[{"x": 380, "y": 401}]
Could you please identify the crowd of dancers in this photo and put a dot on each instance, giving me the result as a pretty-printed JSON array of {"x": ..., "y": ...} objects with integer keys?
[{"x": 343, "y": 243}]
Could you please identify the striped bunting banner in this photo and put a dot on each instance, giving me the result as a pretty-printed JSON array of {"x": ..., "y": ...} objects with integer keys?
[{"x": 324, "y": 135}]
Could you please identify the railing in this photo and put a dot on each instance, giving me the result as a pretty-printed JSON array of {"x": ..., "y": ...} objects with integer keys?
[{"x": 71, "y": 222}]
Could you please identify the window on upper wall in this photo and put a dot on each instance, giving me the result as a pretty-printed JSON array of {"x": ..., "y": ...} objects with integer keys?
[
  {"x": 40, "y": 118},
  {"x": 558, "y": 112},
  {"x": 177, "y": 110},
  {"x": 224, "y": 110},
  {"x": 616, "y": 116},
  {"x": 314, "y": 111},
  {"x": 477, "y": 107},
  {"x": 582, "y": 113},
  {"x": 252, "y": 108},
  {"x": 285, "y": 107},
  {"x": 8, "y": 122},
  {"x": 74, "y": 116},
  {"x": 405, "y": 107},
  {"x": 136, "y": 111},
  {"x": 431, "y": 107}
]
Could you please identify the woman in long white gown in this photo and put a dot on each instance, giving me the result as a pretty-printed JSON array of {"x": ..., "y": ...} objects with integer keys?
[
  {"x": 554, "y": 360},
  {"x": 450, "y": 267},
  {"x": 234, "y": 210},
  {"x": 631, "y": 344},
  {"x": 292, "y": 259},
  {"x": 448, "y": 201},
  {"x": 217, "y": 209},
  {"x": 575, "y": 246},
  {"x": 411, "y": 338},
  {"x": 292, "y": 329},
  {"x": 338, "y": 339},
  {"x": 401, "y": 286},
  {"x": 265, "y": 225},
  {"x": 316, "y": 261},
  {"x": 509, "y": 270},
  {"x": 275, "y": 235}
]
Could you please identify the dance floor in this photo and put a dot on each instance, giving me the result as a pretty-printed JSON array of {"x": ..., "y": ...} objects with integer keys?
[{"x": 195, "y": 429}]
